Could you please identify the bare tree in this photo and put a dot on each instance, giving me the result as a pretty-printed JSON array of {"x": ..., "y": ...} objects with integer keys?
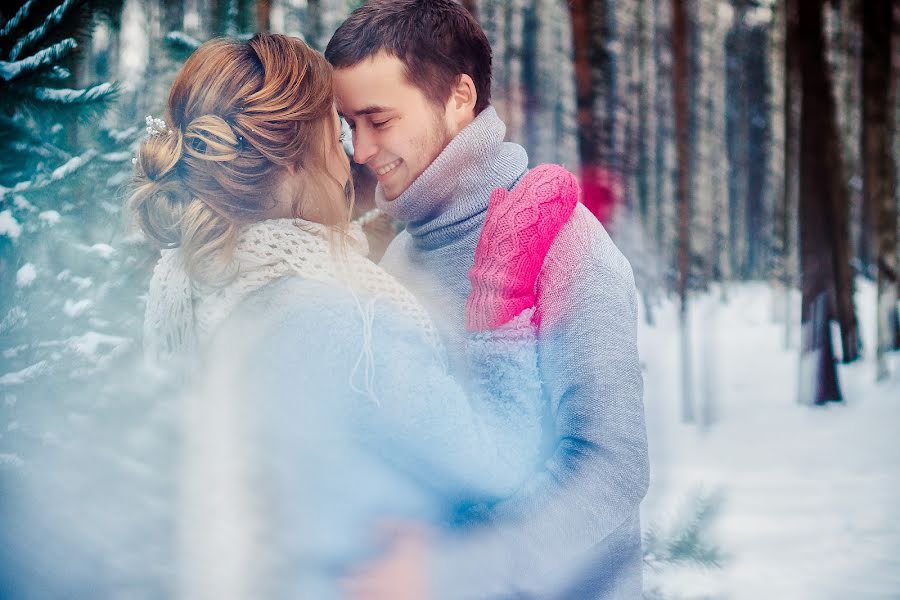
[
  {"x": 817, "y": 210},
  {"x": 680, "y": 90},
  {"x": 783, "y": 166},
  {"x": 879, "y": 89}
]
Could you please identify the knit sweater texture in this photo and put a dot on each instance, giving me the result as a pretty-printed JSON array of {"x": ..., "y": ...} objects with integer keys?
[
  {"x": 318, "y": 405},
  {"x": 299, "y": 444},
  {"x": 573, "y": 530}
]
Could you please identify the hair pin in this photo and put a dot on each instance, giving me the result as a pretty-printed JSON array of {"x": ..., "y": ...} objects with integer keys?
[{"x": 155, "y": 126}]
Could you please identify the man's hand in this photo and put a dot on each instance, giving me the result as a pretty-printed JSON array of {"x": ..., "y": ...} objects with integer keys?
[
  {"x": 399, "y": 574},
  {"x": 519, "y": 228}
]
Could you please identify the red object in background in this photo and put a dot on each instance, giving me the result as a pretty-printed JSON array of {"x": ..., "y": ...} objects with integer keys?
[{"x": 601, "y": 190}]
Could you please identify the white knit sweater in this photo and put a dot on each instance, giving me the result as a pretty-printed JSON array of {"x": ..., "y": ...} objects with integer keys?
[{"x": 182, "y": 314}]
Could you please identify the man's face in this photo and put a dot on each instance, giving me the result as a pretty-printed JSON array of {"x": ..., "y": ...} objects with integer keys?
[{"x": 397, "y": 132}]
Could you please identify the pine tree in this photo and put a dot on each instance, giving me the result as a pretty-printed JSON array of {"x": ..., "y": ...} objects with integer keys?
[
  {"x": 70, "y": 277},
  {"x": 879, "y": 169},
  {"x": 37, "y": 44}
]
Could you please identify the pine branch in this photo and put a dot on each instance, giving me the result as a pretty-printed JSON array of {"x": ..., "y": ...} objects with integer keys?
[
  {"x": 69, "y": 96},
  {"x": 60, "y": 73},
  {"x": 21, "y": 141},
  {"x": 87, "y": 103},
  {"x": 17, "y": 19},
  {"x": 181, "y": 45},
  {"x": 686, "y": 543},
  {"x": 58, "y": 174},
  {"x": 41, "y": 60},
  {"x": 36, "y": 34}
]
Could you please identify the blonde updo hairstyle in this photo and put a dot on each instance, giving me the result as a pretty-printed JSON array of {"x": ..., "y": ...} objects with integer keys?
[{"x": 242, "y": 118}]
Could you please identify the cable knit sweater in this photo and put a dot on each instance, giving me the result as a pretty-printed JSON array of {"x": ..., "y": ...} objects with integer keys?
[{"x": 573, "y": 531}]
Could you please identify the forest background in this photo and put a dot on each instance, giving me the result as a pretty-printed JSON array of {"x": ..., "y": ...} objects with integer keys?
[{"x": 723, "y": 143}]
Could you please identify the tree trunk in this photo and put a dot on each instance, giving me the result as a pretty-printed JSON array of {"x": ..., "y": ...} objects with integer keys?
[
  {"x": 645, "y": 181},
  {"x": 840, "y": 218},
  {"x": 664, "y": 152},
  {"x": 786, "y": 215},
  {"x": 263, "y": 15},
  {"x": 680, "y": 91},
  {"x": 596, "y": 102},
  {"x": 816, "y": 203},
  {"x": 718, "y": 106},
  {"x": 314, "y": 26},
  {"x": 878, "y": 167}
]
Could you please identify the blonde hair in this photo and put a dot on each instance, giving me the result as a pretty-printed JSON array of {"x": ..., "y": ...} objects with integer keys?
[{"x": 240, "y": 116}]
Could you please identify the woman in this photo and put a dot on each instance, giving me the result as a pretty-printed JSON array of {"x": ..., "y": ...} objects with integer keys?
[{"x": 321, "y": 400}]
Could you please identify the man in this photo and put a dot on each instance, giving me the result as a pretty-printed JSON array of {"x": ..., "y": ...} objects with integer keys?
[{"x": 412, "y": 79}]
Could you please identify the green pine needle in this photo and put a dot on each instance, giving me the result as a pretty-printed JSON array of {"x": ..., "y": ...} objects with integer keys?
[
  {"x": 42, "y": 60},
  {"x": 686, "y": 542},
  {"x": 17, "y": 19},
  {"x": 38, "y": 33}
]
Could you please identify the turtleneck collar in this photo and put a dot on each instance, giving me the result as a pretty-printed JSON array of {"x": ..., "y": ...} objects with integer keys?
[{"x": 439, "y": 204}]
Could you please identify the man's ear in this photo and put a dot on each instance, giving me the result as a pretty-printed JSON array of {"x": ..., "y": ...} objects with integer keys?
[{"x": 463, "y": 97}]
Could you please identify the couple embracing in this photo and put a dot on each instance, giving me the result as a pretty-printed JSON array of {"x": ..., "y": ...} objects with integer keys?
[{"x": 463, "y": 419}]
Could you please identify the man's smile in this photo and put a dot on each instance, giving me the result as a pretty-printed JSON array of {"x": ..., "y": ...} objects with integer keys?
[{"x": 386, "y": 169}]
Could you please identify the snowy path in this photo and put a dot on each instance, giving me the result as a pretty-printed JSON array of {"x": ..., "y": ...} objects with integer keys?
[{"x": 811, "y": 495}]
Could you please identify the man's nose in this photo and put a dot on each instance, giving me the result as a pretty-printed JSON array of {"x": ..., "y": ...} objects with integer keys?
[{"x": 363, "y": 147}]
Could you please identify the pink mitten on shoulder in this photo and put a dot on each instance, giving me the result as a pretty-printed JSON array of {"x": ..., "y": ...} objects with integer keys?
[{"x": 519, "y": 228}]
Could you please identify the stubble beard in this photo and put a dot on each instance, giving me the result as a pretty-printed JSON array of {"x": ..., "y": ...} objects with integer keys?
[{"x": 431, "y": 144}]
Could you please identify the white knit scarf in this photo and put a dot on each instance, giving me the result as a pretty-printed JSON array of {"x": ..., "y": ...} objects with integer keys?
[{"x": 181, "y": 314}]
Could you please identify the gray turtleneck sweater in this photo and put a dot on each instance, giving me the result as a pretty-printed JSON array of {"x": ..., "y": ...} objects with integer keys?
[{"x": 573, "y": 530}]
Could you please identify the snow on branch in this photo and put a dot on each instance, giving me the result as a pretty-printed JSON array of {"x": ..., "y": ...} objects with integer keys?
[
  {"x": 64, "y": 170},
  {"x": 17, "y": 19},
  {"x": 23, "y": 376},
  {"x": 44, "y": 58},
  {"x": 72, "y": 96},
  {"x": 41, "y": 30},
  {"x": 182, "y": 40},
  {"x": 60, "y": 73},
  {"x": 72, "y": 165}
]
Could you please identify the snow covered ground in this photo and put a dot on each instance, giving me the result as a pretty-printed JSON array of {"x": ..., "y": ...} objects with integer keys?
[{"x": 810, "y": 495}]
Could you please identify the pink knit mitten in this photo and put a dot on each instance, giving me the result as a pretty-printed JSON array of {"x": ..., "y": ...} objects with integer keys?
[{"x": 518, "y": 230}]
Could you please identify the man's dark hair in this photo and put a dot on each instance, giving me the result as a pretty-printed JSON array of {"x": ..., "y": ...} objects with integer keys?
[{"x": 436, "y": 40}]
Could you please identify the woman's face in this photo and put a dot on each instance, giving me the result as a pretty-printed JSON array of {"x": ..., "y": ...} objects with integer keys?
[
  {"x": 337, "y": 167},
  {"x": 337, "y": 163}
]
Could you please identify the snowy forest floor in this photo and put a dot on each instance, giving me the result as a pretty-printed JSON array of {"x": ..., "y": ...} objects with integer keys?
[{"x": 809, "y": 495}]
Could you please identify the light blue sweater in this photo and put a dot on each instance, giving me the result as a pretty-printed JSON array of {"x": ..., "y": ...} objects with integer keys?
[
  {"x": 347, "y": 444},
  {"x": 573, "y": 531},
  {"x": 349, "y": 417}
]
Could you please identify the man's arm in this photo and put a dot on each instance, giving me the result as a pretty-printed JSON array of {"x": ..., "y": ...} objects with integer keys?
[{"x": 598, "y": 474}]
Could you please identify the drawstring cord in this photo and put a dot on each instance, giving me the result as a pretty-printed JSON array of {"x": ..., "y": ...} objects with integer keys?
[{"x": 368, "y": 319}]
